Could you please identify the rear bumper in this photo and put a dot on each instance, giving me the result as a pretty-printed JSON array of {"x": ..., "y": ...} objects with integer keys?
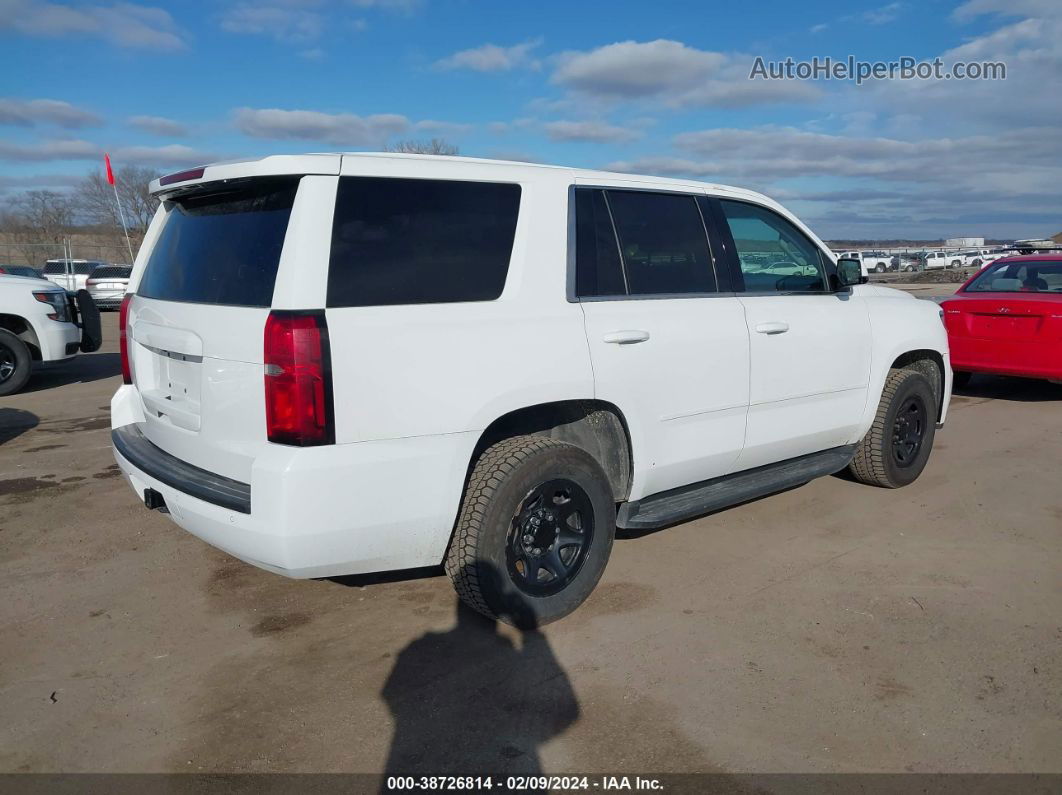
[
  {"x": 135, "y": 448},
  {"x": 314, "y": 512},
  {"x": 1006, "y": 357}
]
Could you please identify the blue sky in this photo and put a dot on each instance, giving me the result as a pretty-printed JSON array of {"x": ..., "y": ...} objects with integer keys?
[{"x": 658, "y": 87}]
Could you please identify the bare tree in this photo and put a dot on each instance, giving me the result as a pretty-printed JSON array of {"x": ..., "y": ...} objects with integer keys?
[
  {"x": 436, "y": 146},
  {"x": 37, "y": 217},
  {"x": 94, "y": 200}
]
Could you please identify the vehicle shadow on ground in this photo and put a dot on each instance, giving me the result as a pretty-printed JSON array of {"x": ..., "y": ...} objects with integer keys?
[
  {"x": 473, "y": 700},
  {"x": 83, "y": 368},
  {"x": 991, "y": 387},
  {"x": 15, "y": 422}
]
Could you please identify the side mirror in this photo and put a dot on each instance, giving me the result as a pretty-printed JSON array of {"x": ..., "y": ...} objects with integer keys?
[{"x": 849, "y": 272}]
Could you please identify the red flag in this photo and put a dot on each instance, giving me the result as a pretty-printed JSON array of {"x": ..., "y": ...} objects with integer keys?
[{"x": 110, "y": 174}]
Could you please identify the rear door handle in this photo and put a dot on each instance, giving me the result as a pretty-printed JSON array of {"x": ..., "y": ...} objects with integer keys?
[
  {"x": 626, "y": 337},
  {"x": 777, "y": 327}
]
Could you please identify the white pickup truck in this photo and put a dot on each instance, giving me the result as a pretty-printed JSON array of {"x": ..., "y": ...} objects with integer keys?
[
  {"x": 41, "y": 322},
  {"x": 870, "y": 261}
]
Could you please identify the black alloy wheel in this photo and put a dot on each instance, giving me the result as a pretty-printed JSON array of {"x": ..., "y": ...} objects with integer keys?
[
  {"x": 550, "y": 537},
  {"x": 909, "y": 430}
]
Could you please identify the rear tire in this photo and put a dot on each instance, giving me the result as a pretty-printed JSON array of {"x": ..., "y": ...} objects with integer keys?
[
  {"x": 534, "y": 533},
  {"x": 15, "y": 363},
  {"x": 895, "y": 450},
  {"x": 879, "y": 269}
]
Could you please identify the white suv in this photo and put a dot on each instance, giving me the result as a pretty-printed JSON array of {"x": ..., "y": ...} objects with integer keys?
[
  {"x": 340, "y": 364},
  {"x": 41, "y": 323}
]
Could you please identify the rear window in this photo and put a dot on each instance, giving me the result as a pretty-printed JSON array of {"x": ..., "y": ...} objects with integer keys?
[
  {"x": 52, "y": 268},
  {"x": 112, "y": 272},
  {"x": 222, "y": 246},
  {"x": 1037, "y": 276},
  {"x": 418, "y": 241}
]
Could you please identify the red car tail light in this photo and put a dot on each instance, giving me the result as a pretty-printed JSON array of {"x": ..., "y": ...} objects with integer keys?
[
  {"x": 123, "y": 341},
  {"x": 298, "y": 379}
]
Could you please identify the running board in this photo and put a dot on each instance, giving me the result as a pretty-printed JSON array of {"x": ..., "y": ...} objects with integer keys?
[{"x": 712, "y": 495}]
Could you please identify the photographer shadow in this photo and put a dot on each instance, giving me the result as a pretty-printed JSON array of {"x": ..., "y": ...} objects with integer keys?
[{"x": 472, "y": 701}]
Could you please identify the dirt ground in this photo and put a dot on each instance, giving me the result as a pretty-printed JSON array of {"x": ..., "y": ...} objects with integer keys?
[{"x": 834, "y": 627}]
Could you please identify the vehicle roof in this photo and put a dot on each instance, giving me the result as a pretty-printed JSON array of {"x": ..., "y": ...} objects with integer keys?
[
  {"x": 8, "y": 278},
  {"x": 1030, "y": 258},
  {"x": 511, "y": 168}
]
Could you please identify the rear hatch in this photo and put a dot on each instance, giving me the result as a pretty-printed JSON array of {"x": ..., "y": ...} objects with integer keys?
[{"x": 196, "y": 322}]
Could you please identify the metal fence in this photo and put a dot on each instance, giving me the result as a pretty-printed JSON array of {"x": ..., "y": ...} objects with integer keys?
[{"x": 36, "y": 254}]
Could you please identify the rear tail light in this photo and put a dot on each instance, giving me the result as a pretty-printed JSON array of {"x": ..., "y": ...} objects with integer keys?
[
  {"x": 123, "y": 341},
  {"x": 298, "y": 379}
]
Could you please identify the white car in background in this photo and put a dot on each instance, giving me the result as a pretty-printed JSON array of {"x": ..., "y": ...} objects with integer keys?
[
  {"x": 71, "y": 274},
  {"x": 107, "y": 285},
  {"x": 39, "y": 322},
  {"x": 936, "y": 260},
  {"x": 869, "y": 261}
]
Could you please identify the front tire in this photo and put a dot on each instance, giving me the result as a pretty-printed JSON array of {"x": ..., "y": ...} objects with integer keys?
[
  {"x": 895, "y": 450},
  {"x": 15, "y": 363},
  {"x": 534, "y": 533}
]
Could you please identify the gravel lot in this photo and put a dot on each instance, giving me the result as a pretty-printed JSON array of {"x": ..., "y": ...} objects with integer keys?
[{"x": 834, "y": 627}]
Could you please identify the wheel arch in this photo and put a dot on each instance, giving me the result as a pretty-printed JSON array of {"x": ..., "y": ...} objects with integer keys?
[
  {"x": 596, "y": 426},
  {"x": 24, "y": 330},
  {"x": 929, "y": 363}
]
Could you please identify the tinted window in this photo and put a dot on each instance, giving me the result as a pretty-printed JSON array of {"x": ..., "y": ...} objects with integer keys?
[
  {"x": 85, "y": 268},
  {"x": 112, "y": 272},
  {"x": 222, "y": 246},
  {"x": 416, "y": 241},
  {"x": 597, "y": 268},
  {"x": 1038, "y": 276},
  {"x": 663, "y": 243},
  {"x": 52, "y": 268},
  {"x": 773, "y": 254}
]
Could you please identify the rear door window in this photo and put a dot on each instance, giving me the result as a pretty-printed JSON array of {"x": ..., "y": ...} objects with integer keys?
[
  {"x": 598, "y": 270},
  {"x": 419, "y": 241},
  {"x": 663, "y": 243},
  {"x": 222, "y": 245}
]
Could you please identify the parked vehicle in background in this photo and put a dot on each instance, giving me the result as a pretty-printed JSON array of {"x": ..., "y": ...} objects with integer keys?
[
  {"x": 20, "y": 270},
  {"x": 907, "y": 261},
  {"x": 39, "y": 322},
  {"x": 935, "y": 260},
  {"x": 107, "y": 285},
  {"x": 1007, "y": 319},
  {"x": 492, "y": 365},
  {"x": 71, "y": 274},
  {"x": 982, "y": 256},
  {"x": 877, "y": 261}
]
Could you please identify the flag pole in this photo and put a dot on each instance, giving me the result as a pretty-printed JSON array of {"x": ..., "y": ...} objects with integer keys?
[{"x": 121, "y": 213}]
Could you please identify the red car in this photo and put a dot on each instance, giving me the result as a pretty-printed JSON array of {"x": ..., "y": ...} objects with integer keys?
[{"x": 1007, "y": 320}]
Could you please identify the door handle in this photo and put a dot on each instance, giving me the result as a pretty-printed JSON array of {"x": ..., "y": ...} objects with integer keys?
[
  {"x": 777, "y": 327},
  {"x": 626, "y": 337}
]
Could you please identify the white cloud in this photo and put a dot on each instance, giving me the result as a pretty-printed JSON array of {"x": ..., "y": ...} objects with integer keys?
[
  {"x": 282, "y": 22},
  {"x": 159, "y": 125},
  {"x": 124, "y": 24},
  {"x": 589, "y": 131},
  {"x": 336, "y": 129},
  {"x": 674, "y": 74},
  {"x": 492, "y": 58},
  {"x": 883, "y": 14},
  {"x": 883, "y": 186},
  {"x": 30, "y": 112},
  {"x": 71, "y": 149}
]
